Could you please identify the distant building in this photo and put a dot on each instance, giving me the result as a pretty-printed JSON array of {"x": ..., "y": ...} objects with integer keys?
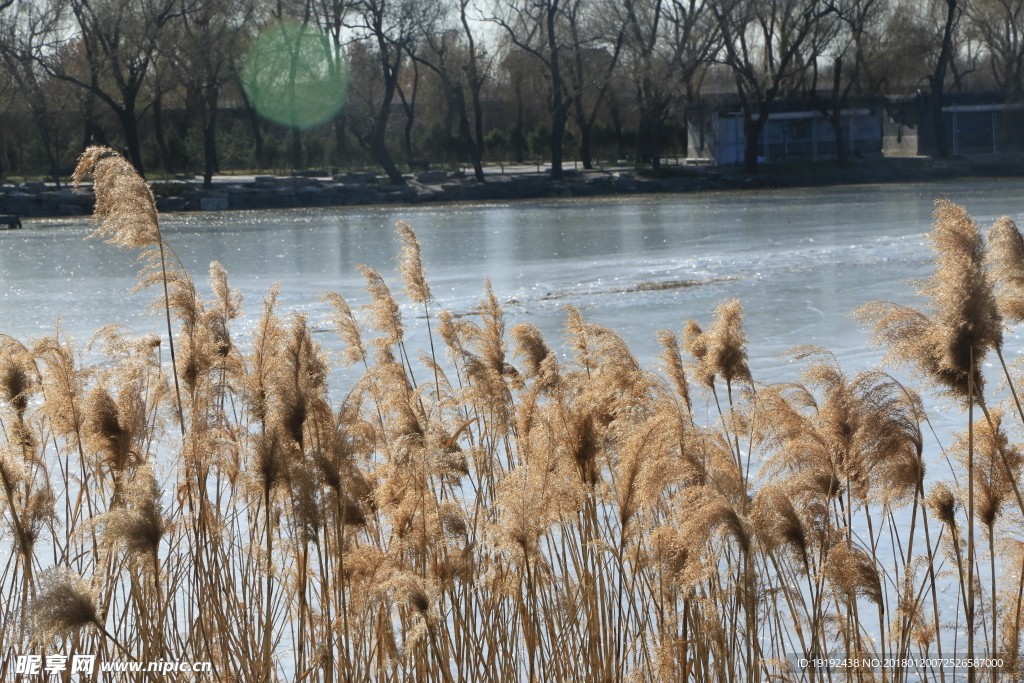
[
  {"x": 794, "y": 132},
  {"x": 975, "y": 123}
]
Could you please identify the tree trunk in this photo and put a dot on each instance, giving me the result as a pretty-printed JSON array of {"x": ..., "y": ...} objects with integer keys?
[
  {"x": 410, "y": 120},
  {"x": 340, "y": 140},
  {"x": 383, "y": 157},
  {"x": 577, "y": 103},
  {"x": 584, "y": 126},
  {"x": 40, "y": 116},
  {"x": 938, "y": 81},
  {"x": 3, "y": 153},
  {"x": 378, "y": 136},
  {"x": 295, "y": 150},
  {"x": 210, "y": 165},
  {"x": 92, "y": 132},
  {"x": 837, "y": 127},
  {"x": 409, "y": 106},
  {"x": 158, "y": 131},
  {"x": 126, "y": 115},
  {"x": 654, "y": 146},
  {"x": 833, "y": 111},
  {"x": 467, "y": 135},
  {"x": 558, "y": 109},
  {"x": 752, "y": 130},
  {"x": 648, "y": 149},
  {"x": 517, "y": 135},
  {"x": 653, "y": 109},
  {"x": 478, "y": 117},
  {"x": 378, "y": 144},
  {"x": 475, "y": 83},
  {"x": 407, "y": 139},
  {"x": 557, "y": 137},
  {"x": 620, "y": 138},
  {"x": 837, "y": 109},
  {"x": 939, "y": 125},
  {"x": 586, "y": 132},
  {"x": 254, "y": 124},
  {"x": 641, "y": 155}
]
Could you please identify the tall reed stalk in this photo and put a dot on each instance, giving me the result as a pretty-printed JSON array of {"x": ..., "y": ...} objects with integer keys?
[{"x": 127, "y": 207}]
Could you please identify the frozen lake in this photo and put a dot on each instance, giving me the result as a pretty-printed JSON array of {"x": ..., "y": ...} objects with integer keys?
[{"x": 799, "y": 260}]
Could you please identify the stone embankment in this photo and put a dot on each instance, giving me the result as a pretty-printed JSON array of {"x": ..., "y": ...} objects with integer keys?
[
  {"x": 34, "y": 199},
  {"x": 39, "y": 199}
]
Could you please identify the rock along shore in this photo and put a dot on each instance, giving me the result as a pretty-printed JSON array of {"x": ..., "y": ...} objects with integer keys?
[{"x": 35, "y": 199}]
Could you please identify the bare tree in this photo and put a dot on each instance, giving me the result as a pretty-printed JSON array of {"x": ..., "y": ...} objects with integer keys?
[
  {"x": 443, "y": 51},
  {"x": 667, "y": 43},
  {"x": 164, "y": 79},
  {"x": 518, "y": 68},
  {"x": 409, "y": 104},
  {"x": 596, "y": 36},
  {"x": 118, "y": 40},
  {"x": 937, "y": 79},
  {"x": 763, "y": 40},
  {"x": 387, "y": 30},
  {"x": 1000, "y": 25},
  {"x": 534, "y": 27},
  {"x": 932, "y": 33},
  {"x": 333, "y": 18},
  {"x": 477, "y": 68},
  {"x": 8, "y": 34},
  {"x": 839, "y": 48},
  {"x": 210, "y": 49}
]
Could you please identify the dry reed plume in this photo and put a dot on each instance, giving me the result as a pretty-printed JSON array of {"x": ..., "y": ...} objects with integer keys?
[{"x": 489, "y": 511}]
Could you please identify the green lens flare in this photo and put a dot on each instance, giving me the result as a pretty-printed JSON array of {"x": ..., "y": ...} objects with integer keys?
[{"x": 294, "y": 76}]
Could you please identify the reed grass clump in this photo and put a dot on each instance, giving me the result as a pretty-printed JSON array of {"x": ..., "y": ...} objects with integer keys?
[
  {"x": 64, "y": 605},
  {"x": 495, "y": 510}
]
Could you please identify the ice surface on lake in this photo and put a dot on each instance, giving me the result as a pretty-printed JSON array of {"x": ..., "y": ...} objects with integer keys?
[{"x": 799, "y": 260}]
